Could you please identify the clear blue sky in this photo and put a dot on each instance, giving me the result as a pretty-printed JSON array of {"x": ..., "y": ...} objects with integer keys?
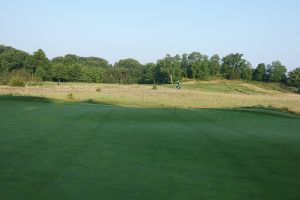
[{"x": 264, "y": 30}]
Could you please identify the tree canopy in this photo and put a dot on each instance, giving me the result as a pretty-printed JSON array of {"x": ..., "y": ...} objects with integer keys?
[
  {"x": 294, "y": 77},
  {"x": 169, "y": 69},
  {"x": 276, "y": 72}
]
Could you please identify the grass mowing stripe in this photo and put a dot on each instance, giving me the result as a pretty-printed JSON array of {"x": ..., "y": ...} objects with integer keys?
[
  {"x": 79, "y": 149},
  {"x": 113, "y": 152},
  {"x": 227, "y": 160},
  {"x": 241, "y": 163}
]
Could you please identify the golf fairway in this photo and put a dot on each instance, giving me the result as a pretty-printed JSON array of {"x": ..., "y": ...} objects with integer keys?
[{"x": 53, "y": 150}]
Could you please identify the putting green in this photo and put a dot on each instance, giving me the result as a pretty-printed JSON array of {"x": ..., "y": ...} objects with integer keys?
[{"x": 52, "y": 150}]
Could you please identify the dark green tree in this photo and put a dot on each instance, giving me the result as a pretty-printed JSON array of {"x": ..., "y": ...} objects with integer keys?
[
  {"x": 71, "y": 59},
  {"x": 92, "y": 74},
  {"x": 169, "y": 69},
  {"x": 131, "y": 70},
  {"x": 129, "y": 63},
  {"x": 294, "y": 78},
  {"x": 233, "y": 65},
  {"x": 60, "y": 72},
  {"x": 192, "y": 59},
  {"x": 184, "y": 65},
  {"x": 93, "y": 62},
  {"x": 276, "y": 72},
  {"x": 148, "y": 75},
  {"x": 12, "y": 59},
  {"x": 247, "y": 72},
  {"x": 215, "y": 66},
  {"x": 112, "y": 75},
  {"x": 201, "y": 68},
  {"x": 41, "y": 65},
  {"x": 260, "y": 72},
  {"x": 75, "y": 72}
]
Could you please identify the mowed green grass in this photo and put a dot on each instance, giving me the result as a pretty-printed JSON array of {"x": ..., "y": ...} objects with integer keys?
[
  {"x": 54, "y": 150},
  {"x": 228, "y": 87}
]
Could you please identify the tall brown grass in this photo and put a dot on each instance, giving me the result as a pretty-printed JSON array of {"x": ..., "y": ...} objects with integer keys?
[{"x": 145, "y": 96}]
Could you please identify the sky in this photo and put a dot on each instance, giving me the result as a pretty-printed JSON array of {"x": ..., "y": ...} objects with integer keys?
[{"x": 263, "y": 30}]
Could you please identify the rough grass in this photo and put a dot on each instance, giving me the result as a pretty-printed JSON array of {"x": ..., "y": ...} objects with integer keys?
[
  {"x": 55, "y": 150},
  {"x": 226, "y": 86},
  {"x": 213, "y": 94}
]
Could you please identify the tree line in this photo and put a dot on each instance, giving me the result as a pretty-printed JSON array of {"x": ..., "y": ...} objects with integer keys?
[{"x": 73, "y": 68}]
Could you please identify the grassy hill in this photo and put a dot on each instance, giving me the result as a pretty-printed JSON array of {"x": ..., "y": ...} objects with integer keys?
[
  {"x": 204, "y": 94},
  {"x": 233, "y": 86},
  {"x": 56, "y": 150}
]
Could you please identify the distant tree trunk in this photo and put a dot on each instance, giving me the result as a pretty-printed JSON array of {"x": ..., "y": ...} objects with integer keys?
[{"x": 171, "y": 78}]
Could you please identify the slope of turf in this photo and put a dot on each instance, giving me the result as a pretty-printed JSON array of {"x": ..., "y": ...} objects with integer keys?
[
  {"x": 229, "y": 87},
  {"x": 64, "y": 151}
]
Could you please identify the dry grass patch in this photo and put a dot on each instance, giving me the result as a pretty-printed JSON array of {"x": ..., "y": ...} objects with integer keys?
[{"x": 145, "y": 96}]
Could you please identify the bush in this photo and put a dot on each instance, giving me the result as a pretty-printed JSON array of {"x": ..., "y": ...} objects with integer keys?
[
  {"x": 16, "y": 78},
  {"x": 98, "y": 89},
  {"x": 35, "y": 81},
  {"x": 4, "y": 79},
  {"x": 70, "y": 96},
  {"x": 17, "y": 82},
  {"x": 154, "y": 87}
]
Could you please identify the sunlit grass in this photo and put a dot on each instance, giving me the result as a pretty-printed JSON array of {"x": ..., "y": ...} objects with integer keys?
[{"x": 193, "y": 95}]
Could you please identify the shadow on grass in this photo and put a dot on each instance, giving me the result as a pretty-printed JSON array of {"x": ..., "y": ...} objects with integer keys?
[
  {"x": 259, "y": 109},
  {"x": 27, "y": 98},
  {"x": 101, "y": 103},
  {"x": 271, "y": 108},
  {"x": 91, "y": 101},
  {"x": 49, "y": 100},
  {"x": 266, "y": 111}
]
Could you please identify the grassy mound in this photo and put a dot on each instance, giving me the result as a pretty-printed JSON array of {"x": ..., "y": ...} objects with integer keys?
[
  {"x": 88, "y": 151},
  {"x": 201, "y": 94}
]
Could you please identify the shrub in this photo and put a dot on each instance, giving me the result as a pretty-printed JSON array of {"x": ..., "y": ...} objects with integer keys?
[
  {"x": 4, "y": 79},
  {"x": 16, "y": 78},
  {"x": 22, "y": 73},
  {"x": 98, "y": 89},
  {"x": 35, "y": 81},
  {"x": 70, "y": 96},
  {"x": 17, "y": 82},
  {"x": 154, "y": 87}
]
